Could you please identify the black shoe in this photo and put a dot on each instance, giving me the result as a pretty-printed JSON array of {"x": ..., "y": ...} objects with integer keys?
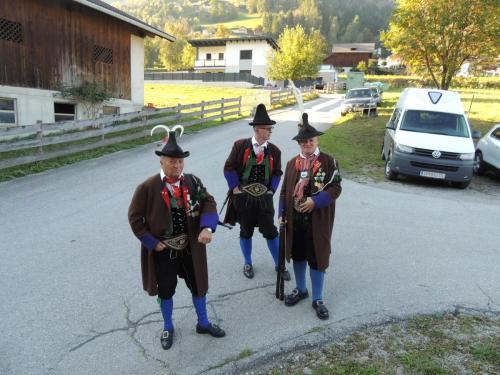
[
  {"x": 286, "y": 274},
  {"x": 295, "y": 297},
  {"x": 167, "y": 339},
  {"x": 212, "y": 329},
  {"x": 248, "y": 271},
  {"x": 321, "y": 310}
]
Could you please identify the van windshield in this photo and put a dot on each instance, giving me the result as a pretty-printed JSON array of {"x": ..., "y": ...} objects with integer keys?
[{"x": 435, "y": 123}]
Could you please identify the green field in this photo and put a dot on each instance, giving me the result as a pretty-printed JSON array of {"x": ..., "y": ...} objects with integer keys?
[
  {"x": 165, "y": 95},
  {"x": 356, "y": 141},
  {"x": 250, "y": 21}
]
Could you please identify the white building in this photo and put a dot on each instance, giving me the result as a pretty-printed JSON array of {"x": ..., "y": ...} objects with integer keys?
[
  {"x": 234, "y": 55},
  {"x": 74, "y": 42}
]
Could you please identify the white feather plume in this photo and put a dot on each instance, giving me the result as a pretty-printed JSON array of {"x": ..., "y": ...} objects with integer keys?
[{"x": 298, "y": 98}]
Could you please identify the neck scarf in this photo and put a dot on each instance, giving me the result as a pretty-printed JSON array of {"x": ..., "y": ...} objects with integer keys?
[{"x": 303, "y": 166}]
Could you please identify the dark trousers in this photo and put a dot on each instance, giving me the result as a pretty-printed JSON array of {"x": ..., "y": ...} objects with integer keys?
[
  {"x": 303, "y": 242},
  {"x": 251, "y": 214},
  {"x": 171, "y": 264}
]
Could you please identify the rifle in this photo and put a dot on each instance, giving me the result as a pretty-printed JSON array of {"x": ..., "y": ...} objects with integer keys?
[
  {"x": 220, "y": 212},
  {"x": 280, "y": 282}
]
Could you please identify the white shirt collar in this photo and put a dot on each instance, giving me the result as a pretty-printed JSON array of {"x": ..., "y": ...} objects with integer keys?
[
  {"x": 256, "y": 144},
  {"x": 316, "y": 153}
]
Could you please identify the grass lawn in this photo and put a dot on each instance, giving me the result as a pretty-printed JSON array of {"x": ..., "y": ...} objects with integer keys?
[
  {"x": 356, "y": 141},
  {"x": 428, "y": 345},
  {"x": 250, "y": 21},
  {"x": 166, "y": 95}
]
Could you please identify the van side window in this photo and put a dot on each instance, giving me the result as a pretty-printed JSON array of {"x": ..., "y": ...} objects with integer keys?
[
  {"x": 496, "y": 134},
  {"x": 393, "y": 122}
]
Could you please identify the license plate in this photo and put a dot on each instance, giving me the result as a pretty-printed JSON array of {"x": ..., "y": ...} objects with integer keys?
[{"x": 440, "y": 176}]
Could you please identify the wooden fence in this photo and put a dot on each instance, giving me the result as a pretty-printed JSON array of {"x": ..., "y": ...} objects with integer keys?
[
  {"x": 277, "y": 96},
  {"x": 47, "y": 141}
]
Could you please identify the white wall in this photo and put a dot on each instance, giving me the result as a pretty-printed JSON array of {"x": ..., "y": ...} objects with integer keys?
[
  {"x": 34, "y": 105},
  {"x": 214, "y": 50},
  {"x": 137, "y": 71},
  {"x": 260, "y": 53}
]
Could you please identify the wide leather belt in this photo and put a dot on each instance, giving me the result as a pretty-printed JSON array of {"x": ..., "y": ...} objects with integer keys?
[
  {"x": 178, "y": 243},
  {"x": 255, "y": 189}
]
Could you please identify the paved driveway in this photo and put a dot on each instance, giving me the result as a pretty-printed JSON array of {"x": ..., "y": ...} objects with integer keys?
[{"x": 71, "y": 294}]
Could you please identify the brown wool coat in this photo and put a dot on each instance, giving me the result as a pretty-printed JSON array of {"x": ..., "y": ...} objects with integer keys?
[
  {"x": 322, "y": 219},
  {"x": 149, "y": 213},
  {"x": 235, "y": 163}
]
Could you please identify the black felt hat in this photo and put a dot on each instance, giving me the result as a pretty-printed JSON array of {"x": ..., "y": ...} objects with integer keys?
[
  {"x": 306, "y": 130},
  {"x": 172, "y": 149},
  {"x": 261, "y": 117}
]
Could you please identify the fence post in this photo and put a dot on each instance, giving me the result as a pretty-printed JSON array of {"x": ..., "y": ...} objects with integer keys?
[
  {"x": 202, "y": 109},
  {"x": 222, "y": 109},
  {"x": 239, "y": 107},
  {"x": 179, "y": 109},
  {"x": 39, "y": 135}
]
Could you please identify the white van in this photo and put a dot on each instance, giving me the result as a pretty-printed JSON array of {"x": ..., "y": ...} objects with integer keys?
[{"x": 428, "y": 136}]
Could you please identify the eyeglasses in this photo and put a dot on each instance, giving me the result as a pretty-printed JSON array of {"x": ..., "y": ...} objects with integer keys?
[
  {"x": 267, "y": 129},
  {"x": 305, "y": 141}
]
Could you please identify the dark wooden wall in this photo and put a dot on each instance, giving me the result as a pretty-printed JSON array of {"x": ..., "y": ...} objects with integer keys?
[
  {"x": 345, "y": 59},
  {"x": 58, "y": 45}
]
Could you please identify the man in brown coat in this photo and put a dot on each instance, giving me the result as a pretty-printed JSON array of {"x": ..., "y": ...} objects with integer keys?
[
  {"x": 307, "y": 206},
  {"x": 253, "y": 173},
  {"x": 173, "y": 216}
]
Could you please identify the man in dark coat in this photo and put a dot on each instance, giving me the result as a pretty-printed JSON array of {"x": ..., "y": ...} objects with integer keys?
[
  {"x": 253, "y": 173},
  {"x": 307, "y": 206},
  {"x": 174, "y": 216}
]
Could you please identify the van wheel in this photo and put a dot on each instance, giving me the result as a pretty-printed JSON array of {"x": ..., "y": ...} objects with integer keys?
[
  {"x": 460, "y": 185},
  {"x": 388, "y": 172},
  {"x": 479, "y": 166}
]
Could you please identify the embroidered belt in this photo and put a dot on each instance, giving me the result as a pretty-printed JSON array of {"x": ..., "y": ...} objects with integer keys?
[
  {"x": 256, "y": 189},
  {"x": 179, "y": 242}
]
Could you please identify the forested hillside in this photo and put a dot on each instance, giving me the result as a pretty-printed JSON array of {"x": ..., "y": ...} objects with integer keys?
[{"x": 341, "y": 21}]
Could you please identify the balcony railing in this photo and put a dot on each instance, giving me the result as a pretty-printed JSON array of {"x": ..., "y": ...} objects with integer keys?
[{"x": 209, "y": 63}]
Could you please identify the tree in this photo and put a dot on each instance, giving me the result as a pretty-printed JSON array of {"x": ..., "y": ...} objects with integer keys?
[
  {"x": 299, "y": 55},
  {"x": 171, "y": 54},
  {"x": 435, "y": 37},
  {"x": 222, "y": 31}
]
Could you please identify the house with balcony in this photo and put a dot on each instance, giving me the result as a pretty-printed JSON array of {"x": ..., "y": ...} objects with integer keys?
[
  {"x": 346, "y": 56},
  {"x": 244, "y": 55},
  {"x": 46, "y": 45}
]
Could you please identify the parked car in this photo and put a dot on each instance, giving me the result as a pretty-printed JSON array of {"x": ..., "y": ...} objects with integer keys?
[
  {"x": 358, "y": 99},
  {"x": 376, "y": 94},
  {"x": 428, "y": 136},
  {"x": 488, "y": 151}
]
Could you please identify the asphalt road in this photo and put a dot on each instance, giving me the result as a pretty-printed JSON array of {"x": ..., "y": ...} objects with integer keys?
[{"x": 72, "y": 301}]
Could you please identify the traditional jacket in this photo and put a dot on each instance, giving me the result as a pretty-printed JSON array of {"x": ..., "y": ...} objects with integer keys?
[
  {"x": 235, "y": 166},
  {"x": 323, "y": 213},
  {"x": 150, "y": 219}
]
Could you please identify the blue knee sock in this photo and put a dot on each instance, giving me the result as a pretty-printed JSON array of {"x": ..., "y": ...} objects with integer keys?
[
  {"x": 167, "y": 306},
  {"x": 200, "y": 305},
  {"x": 317, "y": 280},
  {"x": 246, "y": 249},
  {"x": 299, "y": 269},
  {"x": 274, "y": 248}
]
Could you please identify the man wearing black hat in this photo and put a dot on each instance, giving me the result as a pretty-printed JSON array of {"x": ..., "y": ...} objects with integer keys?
[
  {"x": 307, "y": 207},
  {"x": 174, "y": 216},
  {"x": 253, "y": 173}
]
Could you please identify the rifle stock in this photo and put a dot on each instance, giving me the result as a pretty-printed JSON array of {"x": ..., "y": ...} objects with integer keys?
[{"x": 280, "y": 282}]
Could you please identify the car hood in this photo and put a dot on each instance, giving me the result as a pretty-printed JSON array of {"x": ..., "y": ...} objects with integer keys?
[{"x": 439, "y": 142}]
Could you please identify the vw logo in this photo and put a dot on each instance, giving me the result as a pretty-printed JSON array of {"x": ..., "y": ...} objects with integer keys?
[{"x": 436, "y": 154}]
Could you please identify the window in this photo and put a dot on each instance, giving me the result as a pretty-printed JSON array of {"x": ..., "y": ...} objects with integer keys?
[
  {"x": 103, "y": 54},
  {"x": 64, "y": 112},
  {"x": 108, "y": 110},
  {"x": 246, "y": 54},
  {"x": 7, "y": 111},
  {"x": 209, "y": 56},
  {"x": 11, "y": 31},
  {"x": 393, "y": 122},
  {"x": 221, "y": 56},
  {"x": 496, "y": 133},
  {"x": 435, "y": 123}
]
